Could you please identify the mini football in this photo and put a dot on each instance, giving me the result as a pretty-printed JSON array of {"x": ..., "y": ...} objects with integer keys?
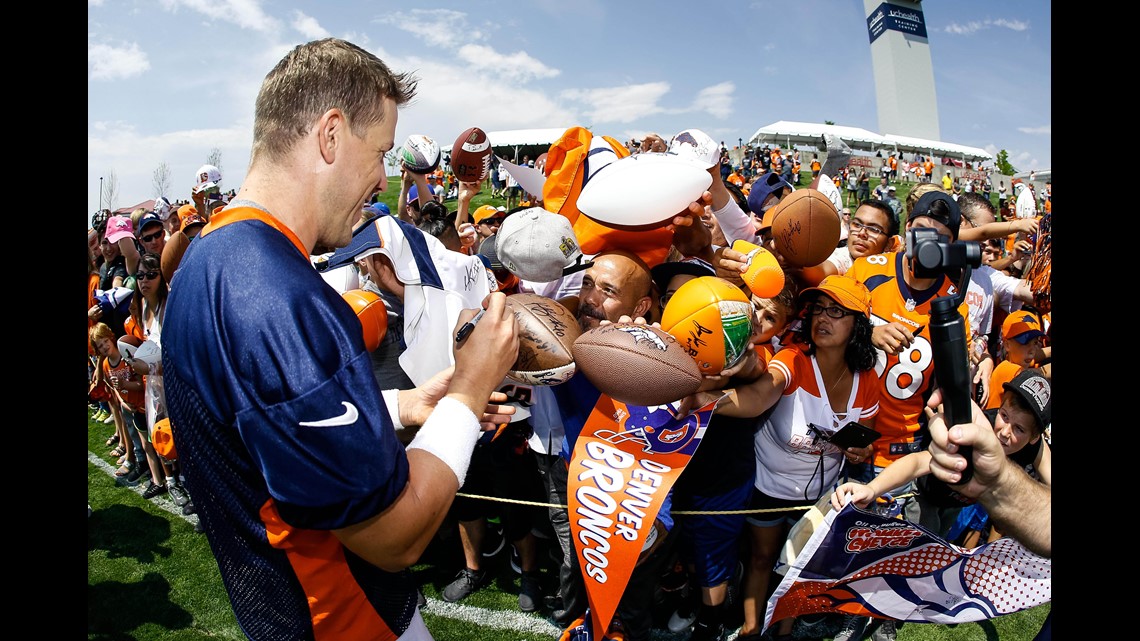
[
  {"x": 420, "y": 154},
  {"x": 712, "y": 320},
  {"x": 636, "y": 364},
  {"x": 805, "y": 227},
  {"x": 371, "y": 313},
  {"x": 763, "y": 276},
  {"x": 471, "y": 156},
  {"x": 547, "y": 332},
  {"x": 643, "y": 191}
]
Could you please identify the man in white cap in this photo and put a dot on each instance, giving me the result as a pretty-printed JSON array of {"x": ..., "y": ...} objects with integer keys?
[
  {"x": 540, "y": 247},
  {"x": 207, "y": 186}
]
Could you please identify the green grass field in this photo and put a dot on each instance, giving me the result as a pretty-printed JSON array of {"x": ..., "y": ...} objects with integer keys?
[{"x": 151, "y": 577}]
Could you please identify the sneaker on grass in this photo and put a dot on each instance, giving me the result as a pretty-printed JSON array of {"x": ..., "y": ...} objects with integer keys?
[
  {"x": 887, "y": 631},
  {"x": 529, "y": 592},
  {"x": 153, "y": 490},
  {"x": 852, "y": 628},
  {"x": 465, "y": 583},
  {"x": 178, "y": 494}
]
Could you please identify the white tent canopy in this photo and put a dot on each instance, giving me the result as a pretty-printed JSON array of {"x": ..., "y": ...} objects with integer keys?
[
  {"x": 906, "y": 143},
  {"x": 523, "y": 137},
  {"x": 787, "y": 132}
]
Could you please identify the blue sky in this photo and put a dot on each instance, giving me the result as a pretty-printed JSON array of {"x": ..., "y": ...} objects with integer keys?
[{"x": 169, "y": 81}]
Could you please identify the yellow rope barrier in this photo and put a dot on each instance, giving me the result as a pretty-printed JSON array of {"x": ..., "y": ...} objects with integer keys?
[{"x": 685, "y": 512}]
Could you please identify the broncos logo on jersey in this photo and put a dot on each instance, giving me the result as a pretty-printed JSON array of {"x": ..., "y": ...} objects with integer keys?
[{"x": 656, "y": 429}]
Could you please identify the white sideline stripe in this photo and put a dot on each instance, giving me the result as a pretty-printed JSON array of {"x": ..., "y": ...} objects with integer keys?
[
  {"x": 499, "y": 619},
  {"x": 163, "y": 501},
  {"x": 520, "y": 622}
]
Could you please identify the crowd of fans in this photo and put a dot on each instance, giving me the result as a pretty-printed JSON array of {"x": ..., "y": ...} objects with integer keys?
[{"x": 826, "y": 342}]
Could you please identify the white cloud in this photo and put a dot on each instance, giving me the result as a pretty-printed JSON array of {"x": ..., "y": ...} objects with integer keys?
[
  {"x": 106, "y": 62},
  {"x": 134, "y": 157},
  {"x": 1046, "y": 130},
  {"x": 246, "y": 14},
  {"x": 619, "y": 104},
  {"x": 975, "y": 26},
  {"x": 437, "y": 27},
  {"x": 514, "y": 67},
  {"x": 308, "y": 26},
  {"x": 717, "y": 99}
]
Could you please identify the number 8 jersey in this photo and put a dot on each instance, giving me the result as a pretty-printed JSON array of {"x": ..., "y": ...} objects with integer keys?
[{"x": 905, "y": 377}]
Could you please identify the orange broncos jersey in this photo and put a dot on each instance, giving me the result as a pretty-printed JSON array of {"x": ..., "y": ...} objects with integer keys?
[{"x": 905, "y": 377}]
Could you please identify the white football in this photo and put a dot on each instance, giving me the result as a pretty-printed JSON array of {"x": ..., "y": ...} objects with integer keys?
[
  {"x": 149, "y": 352},
  {"x": 643, "y": 191},
  {"x": 420, "y": 154}
]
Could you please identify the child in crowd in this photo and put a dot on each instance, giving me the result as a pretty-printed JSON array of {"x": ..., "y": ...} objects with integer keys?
[
  {"x": 128, "y": 391},
  {"x": 1021, "y": 337},
  {"x": 1019, "y": 423}
]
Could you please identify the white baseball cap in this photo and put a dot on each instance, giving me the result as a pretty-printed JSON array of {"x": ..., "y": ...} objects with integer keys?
[
  {"x": 206, "y": 178},
  {"x": 539, "y": 246}
]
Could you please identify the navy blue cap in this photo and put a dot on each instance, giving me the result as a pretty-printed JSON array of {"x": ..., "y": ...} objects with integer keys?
[{"x": 767, "y": 184}]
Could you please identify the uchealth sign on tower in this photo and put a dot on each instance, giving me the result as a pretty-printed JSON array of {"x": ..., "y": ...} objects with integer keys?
[{"x": 892, "y": 17}]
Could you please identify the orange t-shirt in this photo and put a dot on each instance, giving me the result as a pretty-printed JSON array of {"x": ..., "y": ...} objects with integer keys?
[{"x": 1003, "y": 373}]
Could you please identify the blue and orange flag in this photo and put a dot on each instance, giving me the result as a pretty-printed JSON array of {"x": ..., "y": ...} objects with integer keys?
[{"x": 863, "y": 563}]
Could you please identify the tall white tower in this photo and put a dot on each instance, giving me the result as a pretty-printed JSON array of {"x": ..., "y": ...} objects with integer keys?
[{"x": 904, "y": 75}]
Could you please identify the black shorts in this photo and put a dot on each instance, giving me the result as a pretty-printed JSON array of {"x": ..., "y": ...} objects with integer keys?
[{"x": 504, "y": 467}]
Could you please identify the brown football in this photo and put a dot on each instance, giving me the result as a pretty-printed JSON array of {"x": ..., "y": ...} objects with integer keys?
[
  {"x": 547, "y": 331},
  {"x": 471, "y": 155},
  {"x": 636, "y": 364}
]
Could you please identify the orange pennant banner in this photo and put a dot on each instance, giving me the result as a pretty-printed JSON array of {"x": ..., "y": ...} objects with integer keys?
[{"x": 624, "y": 463}]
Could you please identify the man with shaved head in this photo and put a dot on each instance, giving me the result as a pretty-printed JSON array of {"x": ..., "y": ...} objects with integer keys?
[{"x": 618, "y": 284}]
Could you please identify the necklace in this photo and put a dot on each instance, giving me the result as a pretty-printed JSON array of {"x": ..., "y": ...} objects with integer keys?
[{"x": 842, "y": 375}]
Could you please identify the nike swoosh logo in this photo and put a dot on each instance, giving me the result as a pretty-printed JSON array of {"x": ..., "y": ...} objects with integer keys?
[{"x": 348, "y": 418}]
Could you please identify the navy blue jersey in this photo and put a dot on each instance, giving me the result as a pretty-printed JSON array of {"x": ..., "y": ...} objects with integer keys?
[{"x": 282, "y": 434}]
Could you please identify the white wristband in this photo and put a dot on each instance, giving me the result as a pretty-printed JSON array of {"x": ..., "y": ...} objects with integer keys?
[
  {"x": 392, "y": 401},
  {"x": 449, "y": 434}
]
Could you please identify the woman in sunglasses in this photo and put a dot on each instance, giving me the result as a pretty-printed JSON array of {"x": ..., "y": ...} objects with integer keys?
[
  {"x": 809, "y": 391},
  {"x": 148, "y": 308}
]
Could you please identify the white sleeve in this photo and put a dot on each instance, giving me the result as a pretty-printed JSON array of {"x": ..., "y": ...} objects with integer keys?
[
  {"x": 841, "y": 258},
  {"x": 1004, "y": 287},
  {"x": 735, "y": 223}
]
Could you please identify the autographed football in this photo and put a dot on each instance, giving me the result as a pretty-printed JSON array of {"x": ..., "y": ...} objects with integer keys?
[
  {"x": 636, "y": 364},
  {"x": 805, "y": 226},
  {"x": 547, "y": 332},
  {"x": 420, "y": 154},
  {"x": 471, "y": 156}
]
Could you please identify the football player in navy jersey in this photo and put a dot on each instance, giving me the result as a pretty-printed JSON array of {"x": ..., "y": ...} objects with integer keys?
[{"x": 312, "y": 507}]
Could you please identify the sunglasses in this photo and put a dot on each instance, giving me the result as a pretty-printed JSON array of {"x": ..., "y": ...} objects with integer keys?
[
  {"x": 492, "y": 221},
  {"x": 153, "y": 237},
  {"x": 147, "y": 275}
]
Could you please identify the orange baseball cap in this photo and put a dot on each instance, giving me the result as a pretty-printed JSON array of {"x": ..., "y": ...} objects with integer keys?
[
  {"x": 485, "y": 212},
  {"x": 188, "y": 215},
  {"x": 848, "y": 292},
  {"x": 1021, "y": 327}
]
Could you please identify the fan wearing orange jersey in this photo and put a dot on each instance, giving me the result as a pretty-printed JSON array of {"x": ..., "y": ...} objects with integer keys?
[{"x": 900, "y": 312}]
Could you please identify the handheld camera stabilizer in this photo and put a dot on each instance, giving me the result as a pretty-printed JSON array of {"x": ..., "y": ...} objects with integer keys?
[{"x": 931, "y": 254}]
